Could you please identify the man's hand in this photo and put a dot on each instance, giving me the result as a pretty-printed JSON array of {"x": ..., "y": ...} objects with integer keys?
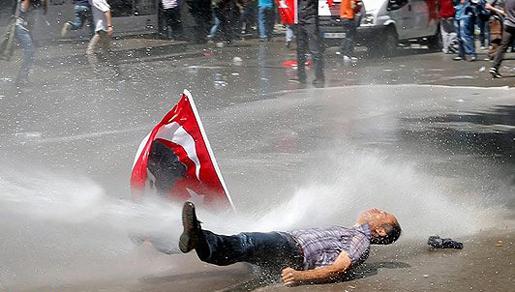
[{"x": 290, "y": 277}]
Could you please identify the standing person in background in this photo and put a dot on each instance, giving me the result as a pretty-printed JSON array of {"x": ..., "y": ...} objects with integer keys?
[
  {"x": 308, "y": 38},
  {"x": 482, "y": 23},
  {"x": 82, "y": 11},
  {"x": 202, "y": 13},
  {"x": 508, "y": 36},
  {"x": 24, "y": 38},
  {"x": 248, "y": 16},
  {"x": 265, "y": 19},
  {"x": 447, "y": 26},
  {"x": 171, "y": 12},
  {"x": 349, "y": 10},
  {"x": 290, "y": 33},
  {"x": 465, "y": 21},
  {"x": 103, "y": 34},
  {"x": 224, "y": 12}
]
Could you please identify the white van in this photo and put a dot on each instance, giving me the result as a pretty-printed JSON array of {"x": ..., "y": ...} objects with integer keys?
[{"x": 385, "y": 24}]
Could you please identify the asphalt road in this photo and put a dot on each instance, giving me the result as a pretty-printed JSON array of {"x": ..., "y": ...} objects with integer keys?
[{"x": 427, "y": 138}]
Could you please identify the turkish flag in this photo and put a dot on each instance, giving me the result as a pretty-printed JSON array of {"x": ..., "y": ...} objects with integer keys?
[
  {"x": 176, "y": 161},
  {"x": 288, "y": 11}
]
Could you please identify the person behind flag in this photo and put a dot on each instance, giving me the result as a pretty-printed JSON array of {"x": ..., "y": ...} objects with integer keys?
[{"x": 306, "y": 256}]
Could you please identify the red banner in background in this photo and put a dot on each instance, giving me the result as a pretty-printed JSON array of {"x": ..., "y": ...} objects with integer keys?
[{"x": 288, "y": 11}]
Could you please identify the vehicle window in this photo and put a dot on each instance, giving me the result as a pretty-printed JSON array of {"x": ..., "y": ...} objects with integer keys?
[{"x": 396, "y": 4}]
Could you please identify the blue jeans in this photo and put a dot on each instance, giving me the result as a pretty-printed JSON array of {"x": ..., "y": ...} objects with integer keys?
[
  {"x": 266, "y": 22},
  {"x": 82, "y": 13},
  {"x": 214, "y": 28},
  {"x": 23, "y": 37},
  {"x": 273, "y": 250},
  {"x": 466, "y": 37}
]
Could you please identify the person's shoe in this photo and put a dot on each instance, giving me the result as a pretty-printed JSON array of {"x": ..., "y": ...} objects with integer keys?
[
  {"x": 64, "y": 31},
  {"x": 288, "y": 44},
  {"x": 297, "y": 80},
  {"x": 457, "y": 58},
  {"x": 319, "y": 81},
  {"x": 191, "y": 233},
  {"x": 495, "y": 73},
  {"x": 482, "y": 48},
  {"x": 437, "y": 242},
  {"x": 472, "y": 59}
]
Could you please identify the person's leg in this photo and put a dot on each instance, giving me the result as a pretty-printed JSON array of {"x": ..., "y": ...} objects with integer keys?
[
  {"x": 261, "y": 23},
  {"x": 270, "y": 21},
  {"x": 91, "y": 51},
  {"x": 445, "y": 33},
  {"x": 176, "y": 23},
  {"x": 302, "y": 44},
  {"x": 507, "y": 39},
  {"x": 468, "y": 37},
  {"x": 81, "y": 12},
  {"x": 461, "y": 40},
  {"x": 23, "y": 37},
  {"x": 289, "y": 34},
  {"x": 482, "y": 32},
  {"x": 315, "y": 48},
  {"x": 272, "y": 249},
  {"x": 348, "y": 40}
]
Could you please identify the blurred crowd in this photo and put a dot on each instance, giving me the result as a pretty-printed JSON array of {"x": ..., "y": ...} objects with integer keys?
[{"x": 462, "y": 23}]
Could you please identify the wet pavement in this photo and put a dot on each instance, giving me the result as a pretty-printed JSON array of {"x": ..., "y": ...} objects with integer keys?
[{"x": 430, "y": 139}]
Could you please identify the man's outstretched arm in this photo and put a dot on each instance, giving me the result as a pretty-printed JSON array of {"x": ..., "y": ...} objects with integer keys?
[{"x": 291, "y": 277}]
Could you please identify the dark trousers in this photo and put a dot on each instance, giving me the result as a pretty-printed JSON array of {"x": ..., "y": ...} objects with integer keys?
[
  {"x": 349, "y": 26},
  {"x": 172, "y": 20},
  {"x": 272, "y": 250},
  {"x": 202, "y": 13},
  {"x": 508, "y": 37},
  {"x": 225, "y": 15},
  {"x": 308, "y": 37}
]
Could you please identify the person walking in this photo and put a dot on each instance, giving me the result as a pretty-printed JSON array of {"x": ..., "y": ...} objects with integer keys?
[
  {"x": 447, "y": 30},
  {"x": 265, "y": 19},
  {"x": 304, "y": 256},
  {"x": 495, "y": 24},
  {"x": 82, "y": 11},
  {"x": 308, "y": 38},
  {"x": 170, "y": 10},
  {"x": 349, "y": 10},
  {"x": 508, "y": 36},
  {"x": 23, "y": 36},
  {"x": 103, "y": 34}
]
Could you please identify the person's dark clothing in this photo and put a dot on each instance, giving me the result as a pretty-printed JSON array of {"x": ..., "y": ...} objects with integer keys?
[
  {"x": 508, "y": 37},
  {"x": 273, "y": 250},
  {"x": 172, "y": 20},
  {"x": 308, "y": 39},
  {"x": 81, "y": 2},
  {"x": 349, "y": 26},
  {"x": 202, "y": 13},
  {"x": 509, "y": 8},
  {"x": 226, "y": 12},
  {"x": 308, "y": 11}
]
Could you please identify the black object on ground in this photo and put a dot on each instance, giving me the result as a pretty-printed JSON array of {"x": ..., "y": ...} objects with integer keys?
[{"x": 437, "y": 242}]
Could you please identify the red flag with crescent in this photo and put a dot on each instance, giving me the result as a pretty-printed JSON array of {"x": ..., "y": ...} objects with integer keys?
[{"x": 176, "y": 161}]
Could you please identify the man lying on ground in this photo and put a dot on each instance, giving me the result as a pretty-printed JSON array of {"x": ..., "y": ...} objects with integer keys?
[{"x": 316, "y": 255}]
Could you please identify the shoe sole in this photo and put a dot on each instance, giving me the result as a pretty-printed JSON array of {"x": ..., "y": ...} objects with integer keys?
[{"x": 188, "y": 211}]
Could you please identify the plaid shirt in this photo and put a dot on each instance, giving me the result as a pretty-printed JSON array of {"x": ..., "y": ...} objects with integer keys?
[{"x": 321, "y": 246}]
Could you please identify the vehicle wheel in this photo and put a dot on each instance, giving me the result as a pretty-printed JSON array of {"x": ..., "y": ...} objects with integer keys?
[
  {"x": 391, "y": 42},
  {"x": 385, "y": 46},
  {"x": 434, "y": 43}
]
